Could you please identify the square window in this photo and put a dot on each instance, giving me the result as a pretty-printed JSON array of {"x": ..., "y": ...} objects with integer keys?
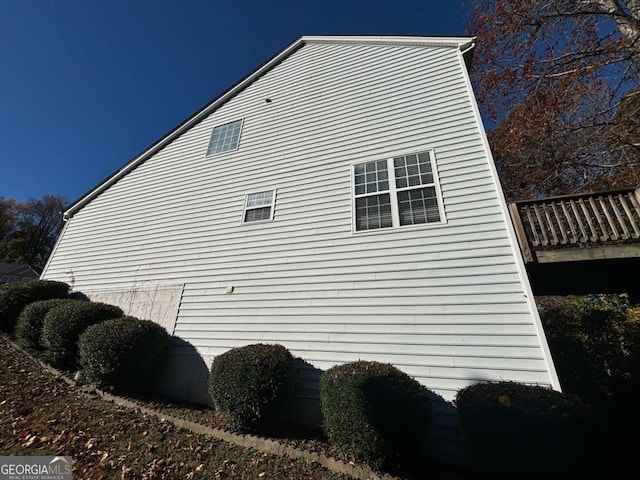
[
  {"x": 419, "y": 205},
  {"x": 371, "y": 177},
  {"x": 225, "y": 138},
  {"x": 373, "y": 212}
]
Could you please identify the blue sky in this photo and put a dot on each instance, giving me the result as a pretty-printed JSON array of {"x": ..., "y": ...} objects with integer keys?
[{"x": 86, "y": 85}]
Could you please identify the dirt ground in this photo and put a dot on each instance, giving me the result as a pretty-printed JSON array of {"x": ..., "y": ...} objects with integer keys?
[{"x": 41, "y": 415}]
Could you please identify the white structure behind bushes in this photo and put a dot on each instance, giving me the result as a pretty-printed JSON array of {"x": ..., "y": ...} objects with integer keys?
[{"x": 342, "y": 201}]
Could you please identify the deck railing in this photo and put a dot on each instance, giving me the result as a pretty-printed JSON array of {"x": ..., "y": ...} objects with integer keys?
[{"x": 577, "y": 219}]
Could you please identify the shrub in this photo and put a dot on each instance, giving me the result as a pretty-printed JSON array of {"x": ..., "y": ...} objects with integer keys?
[
  {"x": 253, "y": 385},
  {"x": 375, "y": 410},
  {"x": 15, "y": 296},
  {"x": 63, "y": 325},
  {"x": 521, "y": 431},
  {"x": 595, "y": 344},
  {"x": 125, "y": 353},
  {"x": 29, "y": 326}
]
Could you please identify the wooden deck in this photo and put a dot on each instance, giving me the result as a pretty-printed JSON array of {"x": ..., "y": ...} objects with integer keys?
[{"x": 587, "y": 243}]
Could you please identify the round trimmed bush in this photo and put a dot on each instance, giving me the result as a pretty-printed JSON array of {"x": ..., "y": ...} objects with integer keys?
[
  {"x": 254, "y": 385},
  {"x": 375, "y": 410},
  {"x": 29, "y": 326},
  {"x": 14, "y": 296},
  {"x": 63, "y": 325},
  {"x": 125, "y": 353},
  {"x": 523, "y": 431}
]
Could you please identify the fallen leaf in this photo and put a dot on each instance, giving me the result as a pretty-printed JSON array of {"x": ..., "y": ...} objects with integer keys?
[
  {"x": 262, "y": 474},
  {"x": 125, "y": 470}
]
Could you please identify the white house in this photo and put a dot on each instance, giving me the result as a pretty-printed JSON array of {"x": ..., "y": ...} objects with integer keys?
[{"x": 340, "y": 200}]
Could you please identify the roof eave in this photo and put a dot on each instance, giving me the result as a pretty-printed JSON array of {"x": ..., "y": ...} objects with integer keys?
[
  {"x": 455, "y": 42},
  {"x": 180, "y": 129}
]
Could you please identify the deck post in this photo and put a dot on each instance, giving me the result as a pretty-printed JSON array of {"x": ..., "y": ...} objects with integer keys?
[{"x": 523, "y": 240}]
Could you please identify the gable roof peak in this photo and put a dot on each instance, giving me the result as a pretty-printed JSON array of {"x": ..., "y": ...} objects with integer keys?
[{"x": 464, "y": 44}]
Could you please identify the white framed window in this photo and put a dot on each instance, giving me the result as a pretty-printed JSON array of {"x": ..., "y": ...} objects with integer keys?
[
  {"x": 225, "y": 138},
  {"x": 259, "y": 206},
  {"x": 395, "y": 192}
]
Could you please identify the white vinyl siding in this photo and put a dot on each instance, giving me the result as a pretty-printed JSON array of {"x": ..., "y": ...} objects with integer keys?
[{"x": 444, "y": 302}]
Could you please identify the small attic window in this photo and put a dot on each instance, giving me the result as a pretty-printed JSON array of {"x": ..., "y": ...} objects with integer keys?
[{"x": 225, "y": 138}]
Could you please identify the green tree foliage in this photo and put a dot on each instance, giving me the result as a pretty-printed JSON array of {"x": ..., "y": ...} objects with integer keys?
[
  {"x": 595, "y": 345},
  {"x": 28, "y": 230},
  {"x": 561, "y": 80}
]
